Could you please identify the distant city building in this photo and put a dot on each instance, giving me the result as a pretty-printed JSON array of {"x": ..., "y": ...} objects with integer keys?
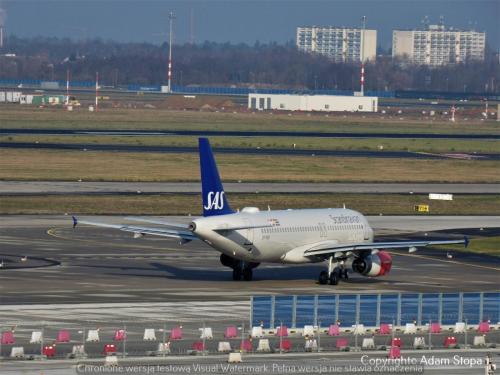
[
  {"x": 438, "y": 46},
  {"x": 339, "y": 43}
]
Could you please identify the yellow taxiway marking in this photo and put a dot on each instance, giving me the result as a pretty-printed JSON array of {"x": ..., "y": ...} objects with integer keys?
[
  {"x": 52, "y": 232},
  {"x": 446, "y": 261}
]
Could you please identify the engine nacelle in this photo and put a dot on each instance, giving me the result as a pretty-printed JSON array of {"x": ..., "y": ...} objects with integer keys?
[{"x": 374, "y": 264}]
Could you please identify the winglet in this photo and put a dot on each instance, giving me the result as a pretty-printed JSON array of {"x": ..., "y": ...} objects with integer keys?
[
  {"x": 466, "y": 241},
  {"x": 75, "y": 221}
]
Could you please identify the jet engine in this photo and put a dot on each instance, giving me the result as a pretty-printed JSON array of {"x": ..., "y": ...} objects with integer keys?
[{"x": 378, "y": 264}]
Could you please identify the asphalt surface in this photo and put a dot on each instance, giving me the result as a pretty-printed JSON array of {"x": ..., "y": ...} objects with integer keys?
[
  {"x": 218, "y": 133},
  {"x": 85, "y": 187}
]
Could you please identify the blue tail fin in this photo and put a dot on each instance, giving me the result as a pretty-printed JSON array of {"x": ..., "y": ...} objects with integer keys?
[{"x": 214, "y": 198}]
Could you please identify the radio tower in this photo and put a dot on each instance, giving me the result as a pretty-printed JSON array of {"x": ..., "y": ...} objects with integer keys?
[{"x": 171, "y": 18}]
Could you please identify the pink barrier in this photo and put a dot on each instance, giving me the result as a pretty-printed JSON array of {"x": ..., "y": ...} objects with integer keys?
[
  {"x": 396, "y": 341},
  {"x": 246, "y": 346},
  {"x": 435, "y": 328},
  {"x": 385, "y": 329},
  {"x": 333, "y": 330},
  {"x": 176, "y": 333},
  {"x": 198, "y": 346},
  {"x": 286, "y": 345},
  {"x": 109, "y": 349},
  {"x": 450, "y": 341},
  {"x": 484, "y": 327},
  {"x": 394, "y": 352},
  {"x": 282, "y": 331},
  {"x": 120, "y": 335},
  {"x": 231, "y": 332},
  {"x": 8, "y": 338},
  {"x": 342, "y": 343},
  {"x": 63, "y": 336}
]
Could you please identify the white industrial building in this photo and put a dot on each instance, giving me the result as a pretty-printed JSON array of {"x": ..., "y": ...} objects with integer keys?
[
  {"x": 438, "y": 46},
  {"x": 339, "y": 43},
  {"x": 325, "y": 103}
]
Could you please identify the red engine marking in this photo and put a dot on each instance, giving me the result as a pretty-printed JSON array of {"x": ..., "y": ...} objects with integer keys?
[{"x": 385, "y": 262}]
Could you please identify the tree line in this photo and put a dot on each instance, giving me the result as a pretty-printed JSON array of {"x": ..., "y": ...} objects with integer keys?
[{"x": 239, "y": 65}]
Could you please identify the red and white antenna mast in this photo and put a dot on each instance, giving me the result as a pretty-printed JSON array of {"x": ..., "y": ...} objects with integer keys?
[
  {"x": 67, "y": 86},
  {"x": 171, "y": 18},
  {"x": 362, "y": 55},
  {"x": 97, "y": 91}
]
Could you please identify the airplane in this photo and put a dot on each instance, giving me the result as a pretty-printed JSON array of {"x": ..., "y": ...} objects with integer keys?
[{"x": 249, "y": 237}]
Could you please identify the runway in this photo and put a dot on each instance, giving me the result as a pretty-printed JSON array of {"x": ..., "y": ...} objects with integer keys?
[
  {"x": 88, "y": 187},
  {"x": 219, "y": 133},
  {"x": 96, "y": 265}
]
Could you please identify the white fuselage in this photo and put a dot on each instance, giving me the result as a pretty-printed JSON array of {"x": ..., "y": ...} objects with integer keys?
[{"x": 292, "y": 232}]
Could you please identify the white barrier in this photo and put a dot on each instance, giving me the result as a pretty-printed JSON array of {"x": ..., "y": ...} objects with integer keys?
[
  {"x": 368, "y": 343},
  {"x": 93, "y": 335},
  {"x": 111, "y": 360},
  {"x": 359, "y": 329},
  {"x": 419, "y": 343},
  {"x": 234, "y": 358},
  {"x": 479, "y": 341},
  {"x": 164, "y": 348},
  {"x": 149, "y": 334},
  {"x": 224, "y": 347},
  {"x": 308, "y": 331},
  {"x": 36, "y": 337},
  {"x": 206, "y": 333},
  {"x": 263, "y": 346},
  {"x": 78, "y": 350},
  {"x": 410, "y": 328},
  {"x": 17, "y": 352},
  {"x": 459, "y": 327},
  {"x": 311, "y": 345},
  {"x": 257, "y": 332}
]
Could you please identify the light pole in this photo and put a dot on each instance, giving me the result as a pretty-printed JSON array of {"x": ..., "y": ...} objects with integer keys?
[{"x": 362, "y": 47}]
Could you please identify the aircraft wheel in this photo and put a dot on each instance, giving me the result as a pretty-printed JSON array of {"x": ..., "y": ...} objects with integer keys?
[
  {"x": 334, "y": 278},
  {"x": 247, "y": 274},
  {"x": 236, "y": 274},
  {"x": 323, "y": 278},
  {"x": 345, "y": 276}
]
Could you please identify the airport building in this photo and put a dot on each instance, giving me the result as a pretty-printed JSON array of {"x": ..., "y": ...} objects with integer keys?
[
  {"x": 323, "y": 103},
  {"x": 437, "y": 45},
  {"x": 339, "y": 43}
]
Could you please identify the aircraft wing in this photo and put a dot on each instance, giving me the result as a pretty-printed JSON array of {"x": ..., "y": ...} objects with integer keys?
[
  {"x": 328, "y": 248},
  {"x": 182, "y": 234}
]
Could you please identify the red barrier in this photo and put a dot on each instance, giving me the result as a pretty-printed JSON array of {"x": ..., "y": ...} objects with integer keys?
[
  {"x": 8, "y": 338},
  {"x": 120, "y": 335},
  {"x": 450, "y": 341},
  {"x": 484, "y": 327},
  {"x": 109, "y": 349},
  {"x": 396, "y": 341},
  {"x": 333, "y": 330},
  {"x": 282, "y": 331},
  {"x": 49, "y": 351},
  {"x": 198, "y": 346},
  {"x": 385, "y": 329},
  {"x": 63, "y": 336},
  {"x": 435, "y": 328},
  {"x": 176, "y": 333},
  {"x": 285, "y": 345},
  {"x": 394, "y": 352},
  {"x": 246, "y": 346},
  {"x": 342, "y": 343},
  {"x": 231, "y": 332}
]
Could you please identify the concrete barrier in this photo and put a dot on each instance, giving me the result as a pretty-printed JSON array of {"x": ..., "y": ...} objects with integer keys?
[
  {"x": 459, "y": 327},
  {"x": 206, "y": 333},
  {"x": 263, "y": 346},
  {"x": 234, "y": 358},
  {"x": 333, "y": 330},
  {"x": 385, "y": 329},
  {"x": 111, "y": 360},
  {"x": 120, "y": 335},
  {"x": 410, "y": 329},
  {"x": 224, "y": 347},
  {"x": 358, "y": 329},
  {"x": 176, "y": 333},
  {"x": 93, "y": 335},
  {"x": 257, "y": 332},
  {"x": 419, "y": 343},
  {"x": 479, "y": 341},
  {"x": 484, "y": 327},
  {"x": 282, "y": 331},
  {"x": 231, "y": 332},
  {"x": 311, "y": 345},
  {"x": 8, "y": 338},
  {"x": 149, "y": 334},
  {"x": 308, "y": 331},
  {"x": 78, "y": 351},
  {"x": 435, "y": 328},
  {"x": 36, "y": 337},
  {"x": 17, "y": 352},
  {"x": 164, "y": 348},
  {"x": 63, "y": 336},
  {"x": 368, "y": 343}
]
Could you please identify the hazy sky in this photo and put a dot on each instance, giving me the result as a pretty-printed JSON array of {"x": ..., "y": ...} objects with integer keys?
[{"x": 238, "y": 20}]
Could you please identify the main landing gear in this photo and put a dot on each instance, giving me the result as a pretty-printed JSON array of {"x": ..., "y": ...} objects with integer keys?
[{"x": 336, "y": 271}]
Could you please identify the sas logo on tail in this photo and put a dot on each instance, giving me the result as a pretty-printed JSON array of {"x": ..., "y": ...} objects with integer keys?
[{"x": 215, "y": 201}]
